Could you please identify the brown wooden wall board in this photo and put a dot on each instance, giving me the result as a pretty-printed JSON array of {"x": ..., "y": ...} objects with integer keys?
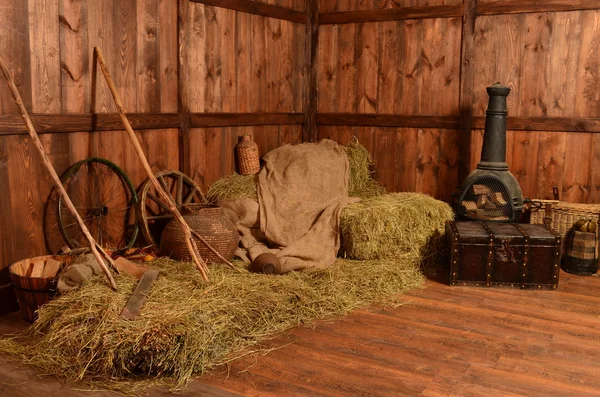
[
  {"x": 550, "y": 61},
  {"x": 391, "y": 14},
  {"x": 542, "y": 160},
  {"x": 44, "y": 46},
  {"x": 258, "y": 8},
  {"x": 349, "y": 5},
  {"x": 12, "y": 124},
  {"x": 492, "y": 7},
  {"x": 48, "y": 45},
  {"x": 594, "y": 184},
  {"x": 298, "y": 5},
  {"x": 244, "y": 119},
  {"x": 309, "y": 129},
  {"x": 14, "y": 49},
  {"x": 236, "y": 62},
  {"x": 551, "y": 164},
  {"x": 407, "y": 159},
  {"x": 427, "y": 161},
  {"x": 168, "y": 55},
  {"x": 566, "y": 124},
  {"x": 403, "y": 67},
  {"x": 26, "y": 194},
  {"x": 75, "y": 86},
  {"x": 212, "y": 153},
  {"x": 387, "y": 120},
  {"x": 466, "y": 86}
]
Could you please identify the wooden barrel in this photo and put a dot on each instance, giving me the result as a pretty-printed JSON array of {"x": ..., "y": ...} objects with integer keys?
[{"x": 33, "y": 282}]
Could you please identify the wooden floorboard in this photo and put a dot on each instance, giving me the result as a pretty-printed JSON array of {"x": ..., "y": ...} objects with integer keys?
[{"x": 444, "y": 341}]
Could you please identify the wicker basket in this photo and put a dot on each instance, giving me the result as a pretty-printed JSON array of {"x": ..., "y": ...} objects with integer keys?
[
  {"x": 247, "y": 154},
  {"x": 561, "y": 215},
  {"x": 210, "y": 222}
]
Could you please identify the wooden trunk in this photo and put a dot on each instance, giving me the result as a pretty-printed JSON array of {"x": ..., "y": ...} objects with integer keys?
[{"x": 487, "y": 254}]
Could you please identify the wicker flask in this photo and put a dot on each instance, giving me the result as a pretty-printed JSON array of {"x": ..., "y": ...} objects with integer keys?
[{"x": 247, "y": 153}]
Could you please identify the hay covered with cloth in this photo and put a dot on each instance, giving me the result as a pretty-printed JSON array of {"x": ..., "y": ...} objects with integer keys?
[
  {"x": 187, "y": 326},
  {"x": 394, "y": 224},
  {"x": 360, "y": 179}
]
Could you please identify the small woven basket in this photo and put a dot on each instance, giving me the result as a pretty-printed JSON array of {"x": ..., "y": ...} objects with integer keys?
[
  {"x": 247, "y": 154},
  {"x": 211, "y": 223}
]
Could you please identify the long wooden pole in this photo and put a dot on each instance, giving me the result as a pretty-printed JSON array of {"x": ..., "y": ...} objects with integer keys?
[
  {"x": 189, "y": 240},
  {"x": 96, "y": 249},
  {"x": 214, "y": 251}
]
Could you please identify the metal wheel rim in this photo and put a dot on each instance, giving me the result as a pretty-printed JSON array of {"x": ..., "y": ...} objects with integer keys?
[{"x": 131, "y": 200}]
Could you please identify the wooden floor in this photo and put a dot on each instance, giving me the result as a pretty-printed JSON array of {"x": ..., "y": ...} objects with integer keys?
[{"x": 444, "y": 342}]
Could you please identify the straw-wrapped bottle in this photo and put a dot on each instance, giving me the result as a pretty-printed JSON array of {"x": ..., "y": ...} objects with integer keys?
[{"x": 247, "y": 153}]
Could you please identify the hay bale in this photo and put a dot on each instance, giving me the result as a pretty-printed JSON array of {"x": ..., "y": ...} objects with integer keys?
[
  {"x": 188, "y": 326},
  {"x": 392, "y": 225},
  {"x": 232, "y": 187}
]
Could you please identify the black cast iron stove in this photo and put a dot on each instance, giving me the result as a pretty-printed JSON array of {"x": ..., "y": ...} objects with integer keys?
[{"x": 491, "y": 192}]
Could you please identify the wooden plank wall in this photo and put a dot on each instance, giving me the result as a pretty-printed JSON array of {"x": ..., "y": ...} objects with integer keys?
[
  {"x": 48, "y": 46},
  {"x": 551, "y": 61},
  {"x": 405, "y": 67},
  {"x": 413, "y": 67},
  {"x": 239, "y": 62}
]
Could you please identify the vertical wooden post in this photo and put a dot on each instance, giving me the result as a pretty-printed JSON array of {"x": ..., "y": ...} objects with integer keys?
[
  {"x": 309, "y": 129},
  {"x": 182, "y": 99},
  {"x": 467, "y": 80}
]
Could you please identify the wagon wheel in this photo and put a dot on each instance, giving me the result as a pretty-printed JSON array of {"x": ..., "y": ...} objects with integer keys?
[
  {"x": 153, "y": 213},
  {"x": 105, "y": 199}
]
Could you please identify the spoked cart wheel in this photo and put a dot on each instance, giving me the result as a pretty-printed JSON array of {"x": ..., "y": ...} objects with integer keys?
[
  {"x": 105, "y": 199},
  {"x": 153, "y": 213}
]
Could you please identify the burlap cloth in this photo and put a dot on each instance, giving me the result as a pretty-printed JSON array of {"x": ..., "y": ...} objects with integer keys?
[{"x": 301, "y": 192}]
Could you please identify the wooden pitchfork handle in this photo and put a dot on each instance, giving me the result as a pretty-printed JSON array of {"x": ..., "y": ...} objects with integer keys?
[
  {"x": 189, "y": 240},
  {"x": 94, "y": 246}
]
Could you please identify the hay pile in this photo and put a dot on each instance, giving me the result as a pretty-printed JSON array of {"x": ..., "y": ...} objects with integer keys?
[
  {"x": 232, "y": 187},
  {"x": 392, "y": 225},
  {"x": 360, "y": 181},
  {"x": 187, "y": 326}
]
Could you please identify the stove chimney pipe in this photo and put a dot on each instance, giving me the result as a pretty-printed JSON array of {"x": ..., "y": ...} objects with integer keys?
[{"x": 493, "y": 152}]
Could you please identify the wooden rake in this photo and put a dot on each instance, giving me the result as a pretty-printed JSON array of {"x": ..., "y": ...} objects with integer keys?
[
  {"x": 96, "y": 249},
  {"x": 188, "y": 233}
]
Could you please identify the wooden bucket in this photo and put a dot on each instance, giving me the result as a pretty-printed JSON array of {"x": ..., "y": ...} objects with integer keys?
[{"x": 33, "y": 280}]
